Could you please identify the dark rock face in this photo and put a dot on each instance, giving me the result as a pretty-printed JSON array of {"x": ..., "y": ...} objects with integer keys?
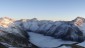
[
  {"x": 68, "y": 32},
  {"x": 71, "y": 45},
  {"x": 16, "y": 39},
  {"x": 2, "y": 46}
]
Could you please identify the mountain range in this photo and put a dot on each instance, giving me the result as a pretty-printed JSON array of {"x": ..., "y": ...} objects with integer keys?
[{"x": 33, "y": 33}]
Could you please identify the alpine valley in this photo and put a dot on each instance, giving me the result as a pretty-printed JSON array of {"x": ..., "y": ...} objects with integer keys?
[{"x": 33, "y": 33}]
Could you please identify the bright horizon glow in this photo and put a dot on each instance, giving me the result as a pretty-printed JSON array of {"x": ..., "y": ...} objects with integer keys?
[{"x": 42, "y": 9}]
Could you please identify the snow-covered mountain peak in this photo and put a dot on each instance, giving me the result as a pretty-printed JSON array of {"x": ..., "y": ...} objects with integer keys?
[
  {"x": 34, "y": 19},
  {"x": 79, "y": 21},
  {"x": 5, "y": 21}
]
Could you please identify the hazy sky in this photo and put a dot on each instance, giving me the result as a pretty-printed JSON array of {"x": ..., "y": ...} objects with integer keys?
[{"x": 43, "y": 9}]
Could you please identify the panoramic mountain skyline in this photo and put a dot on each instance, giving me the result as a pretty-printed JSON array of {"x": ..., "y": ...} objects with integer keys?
[
  {"x": 35, "y": 33},
  {"x": 42, "y": 9}
]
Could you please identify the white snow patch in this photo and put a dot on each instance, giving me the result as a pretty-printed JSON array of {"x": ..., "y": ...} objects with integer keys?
[
  {"x": 5, "y": 44},
  {"x": 64, "y": 47},
  {"x": 82, "y": 44}
]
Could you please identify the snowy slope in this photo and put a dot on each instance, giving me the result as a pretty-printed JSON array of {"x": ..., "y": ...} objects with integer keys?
[{"x": 82, "y": 44}]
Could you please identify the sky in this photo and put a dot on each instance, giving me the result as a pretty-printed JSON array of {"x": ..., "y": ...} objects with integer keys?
[{"x": 42, "y": 9}]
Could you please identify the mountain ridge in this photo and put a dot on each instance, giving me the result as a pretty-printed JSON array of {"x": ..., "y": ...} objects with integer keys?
[{"x": 65, "y": 30}]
